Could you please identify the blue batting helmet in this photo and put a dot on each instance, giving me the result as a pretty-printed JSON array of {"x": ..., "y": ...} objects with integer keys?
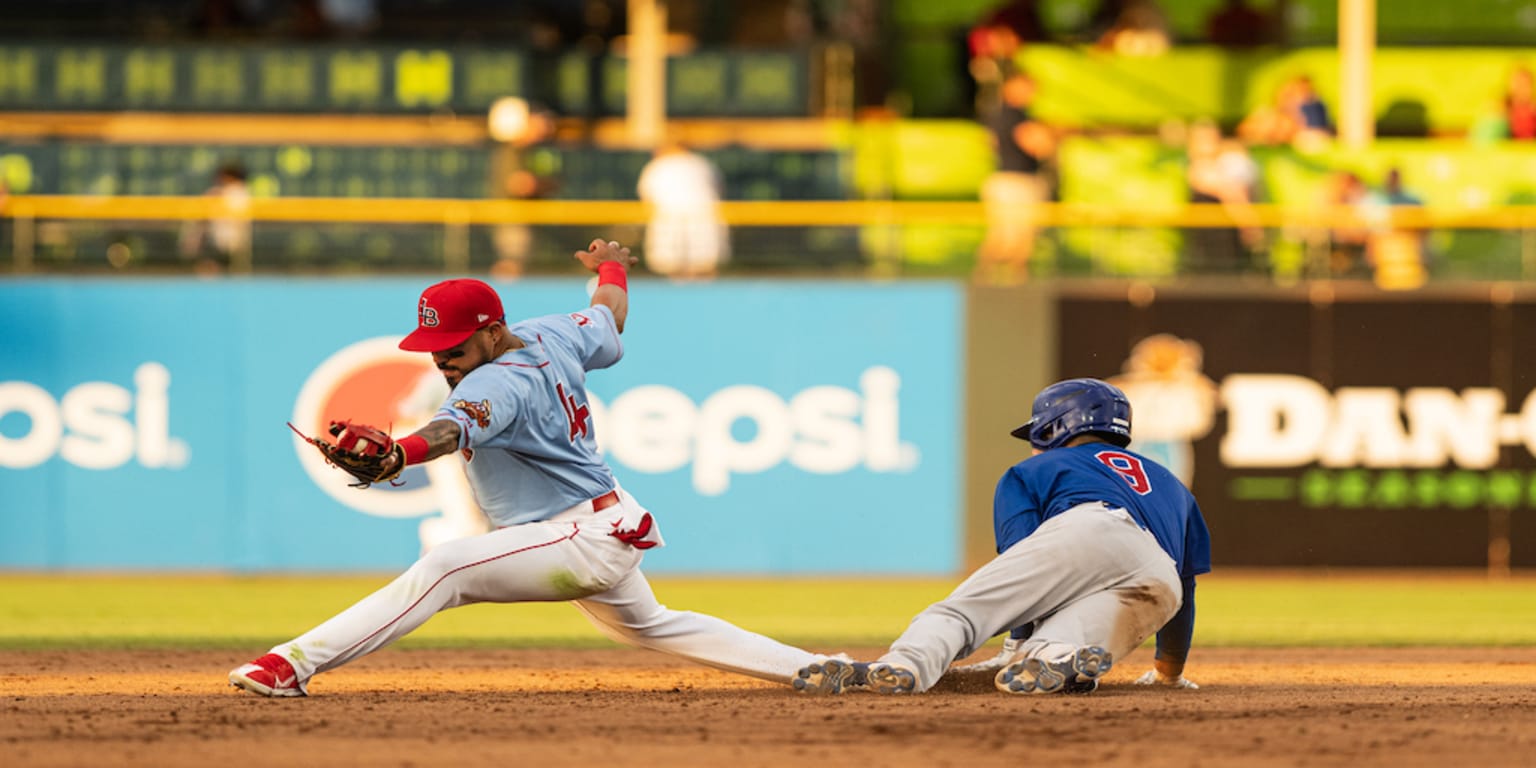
[{"x": 1074, "y": 407}]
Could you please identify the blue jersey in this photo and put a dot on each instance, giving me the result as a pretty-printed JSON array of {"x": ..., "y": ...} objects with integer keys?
[
  {"x": 1048, "y": 484},
  {"x": 526, "y": 427}
]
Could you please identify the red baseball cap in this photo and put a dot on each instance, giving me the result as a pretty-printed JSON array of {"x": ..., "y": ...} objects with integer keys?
[{"x": 449, "y": 312}]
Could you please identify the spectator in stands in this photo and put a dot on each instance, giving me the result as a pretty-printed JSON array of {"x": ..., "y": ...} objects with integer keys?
[
  {"x": 1140, "y": 29},
  {"x": 1310, "y": 106},
  {"x": 1297, "y": 117},
  {"x": 1394, "y": 193},
  {"x": 224, "y": 241},
  {"x": 686, "y": 238},
  {"x": 1396, "y": 254},
  {"x": 1221, "y": 172},
  {"x": 1237, "y": 25},
  {"x": 1520, "y": 105},
  {"x": 1021, "y": 17},
  {"x": 992, "y": 51},
  {"x": 1012, "y": 194},
  {"x": 994, "y": 42},
  {"x": 1271, "y": 124},
  {"x": 858, "y": 24},
  {"x": 1102, "y": 19},
  {"x": 514, "y": 176},
  {"x": 1345, "y": 199}
]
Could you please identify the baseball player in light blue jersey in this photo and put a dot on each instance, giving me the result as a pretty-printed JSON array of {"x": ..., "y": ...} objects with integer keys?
[
  {"x": 565, "y": 529},
  {"x": 1098, "y": 549}
]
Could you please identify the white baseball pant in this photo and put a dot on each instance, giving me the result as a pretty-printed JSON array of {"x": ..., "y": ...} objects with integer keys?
[
  {"x": 572, "y": 556},
  {"x": 1089, "y": 576}
]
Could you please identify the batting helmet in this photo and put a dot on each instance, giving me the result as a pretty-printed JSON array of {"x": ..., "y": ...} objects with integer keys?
[{"x": 1075, "y": 407}]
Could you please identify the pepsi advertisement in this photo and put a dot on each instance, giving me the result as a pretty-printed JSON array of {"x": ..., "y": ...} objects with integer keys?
[{"x": 771, "y": 426}]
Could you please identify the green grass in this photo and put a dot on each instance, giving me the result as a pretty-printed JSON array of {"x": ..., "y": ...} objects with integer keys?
[
  {"x": 1358, "y": 610},
  {"x": 40, "y": 611}
]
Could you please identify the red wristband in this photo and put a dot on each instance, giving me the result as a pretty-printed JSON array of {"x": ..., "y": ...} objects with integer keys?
[
  {"x": 415, "y": 448},
  {"x": 613, "y": 273}
]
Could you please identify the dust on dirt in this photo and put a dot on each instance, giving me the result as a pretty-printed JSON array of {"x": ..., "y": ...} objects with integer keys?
[{"x": 620, "y": 707}]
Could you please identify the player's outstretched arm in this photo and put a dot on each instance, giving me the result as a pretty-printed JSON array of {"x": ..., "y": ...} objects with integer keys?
[
  {"x": 611, "y": 262},
  {"x": 439, "y": 437},
  {"x": 372, "y": 456}
]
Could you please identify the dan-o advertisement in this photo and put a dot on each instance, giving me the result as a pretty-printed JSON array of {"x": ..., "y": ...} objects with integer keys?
[{"x": 1368, "y": 431}]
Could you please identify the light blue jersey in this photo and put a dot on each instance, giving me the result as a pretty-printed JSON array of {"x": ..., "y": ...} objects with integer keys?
[{"x": 527, "y": 430}]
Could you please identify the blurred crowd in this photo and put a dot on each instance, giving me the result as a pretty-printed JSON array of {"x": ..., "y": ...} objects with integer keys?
[
  {"x": 1223, "y": 161},
  {"x": 1362, "y": 237}
]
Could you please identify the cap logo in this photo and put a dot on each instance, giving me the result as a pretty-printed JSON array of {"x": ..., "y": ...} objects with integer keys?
[
  {"x": 483, "y": 318},
  {"x": 426, "y": 316}
]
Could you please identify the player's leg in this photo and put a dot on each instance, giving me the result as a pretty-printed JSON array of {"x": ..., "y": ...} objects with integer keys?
[
  {"x": 1081, "y": 552},
  {"x": 1019, "y": 583},
  {"x": 1074, "y": 646},
  {"x": 629, "y": 613},
  {"x": 525, "y": 563},
  {"x": 1118, "y": 619},
  {"x": 1079, "y": 643}
]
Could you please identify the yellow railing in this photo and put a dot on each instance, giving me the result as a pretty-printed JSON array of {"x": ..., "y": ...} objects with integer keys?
[
  {"x": 850, "y": 213},
  {"x": 34, "y": 216}
]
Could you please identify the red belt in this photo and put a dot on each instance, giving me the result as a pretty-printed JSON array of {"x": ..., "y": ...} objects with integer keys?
[{"x": 605, "y": 501}]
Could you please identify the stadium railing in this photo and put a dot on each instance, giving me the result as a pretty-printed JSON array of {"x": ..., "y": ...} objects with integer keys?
[{"x": 71, "y": 233}]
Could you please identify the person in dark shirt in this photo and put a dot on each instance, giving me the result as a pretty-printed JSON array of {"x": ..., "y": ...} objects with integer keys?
[
  {"x": 1012, "y": 194},
  {"x": 1236, "y": 25}
]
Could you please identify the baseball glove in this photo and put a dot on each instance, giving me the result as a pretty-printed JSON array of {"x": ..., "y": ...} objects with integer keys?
[{"x": 366, "y": 453}]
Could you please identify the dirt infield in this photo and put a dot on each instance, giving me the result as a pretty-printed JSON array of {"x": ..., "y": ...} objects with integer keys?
[{"x": 1413, "y": 707}]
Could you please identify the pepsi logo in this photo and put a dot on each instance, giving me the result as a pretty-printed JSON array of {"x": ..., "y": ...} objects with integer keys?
[{"x": 370, "y": 382}]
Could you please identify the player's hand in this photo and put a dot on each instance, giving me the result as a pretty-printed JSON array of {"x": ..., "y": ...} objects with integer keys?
[
  {"x": 1153, "y": 677},
  {"x": 366, "y": 453},
  {"x": 600, "y": 251}
]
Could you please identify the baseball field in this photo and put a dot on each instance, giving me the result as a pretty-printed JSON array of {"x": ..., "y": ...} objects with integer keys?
[{"x": 1309, "y": 668}]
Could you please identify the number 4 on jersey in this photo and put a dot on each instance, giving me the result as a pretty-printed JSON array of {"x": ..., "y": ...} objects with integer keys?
[
  {"x": 575, "y": 413},
  {"x": 1128, "y": 467}
]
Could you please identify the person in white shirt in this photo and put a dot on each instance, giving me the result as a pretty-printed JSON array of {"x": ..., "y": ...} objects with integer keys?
[{"x": 686, "y": 238}]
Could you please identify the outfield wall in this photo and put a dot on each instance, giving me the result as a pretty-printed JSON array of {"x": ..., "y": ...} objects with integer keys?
[
  {"x": 1331, "y": 424},
  {"x": 773, "y": 426},
  {"x": 777, "y": 427}
]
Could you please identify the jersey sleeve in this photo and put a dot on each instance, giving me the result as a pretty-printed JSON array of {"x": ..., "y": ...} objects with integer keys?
[
  {"x": 591, "y": 334},
  {"x": 1015, "y": 514},
  {"x": 482, "y": 405},
  {"x": 1197, "y": 544}
]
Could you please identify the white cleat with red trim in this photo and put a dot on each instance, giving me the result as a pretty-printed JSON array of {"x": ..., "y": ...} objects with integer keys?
[{"x": 270, "y": 675}]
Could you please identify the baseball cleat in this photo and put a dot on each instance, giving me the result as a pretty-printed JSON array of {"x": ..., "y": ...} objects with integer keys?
[
  {"x": 1080, "y": 686},
  {"x": 1076, "y": 672},
  {"x": 270, "y": 675},
  {"x": 889, "y": 678},
  {"x": 828, "y": 676}
]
